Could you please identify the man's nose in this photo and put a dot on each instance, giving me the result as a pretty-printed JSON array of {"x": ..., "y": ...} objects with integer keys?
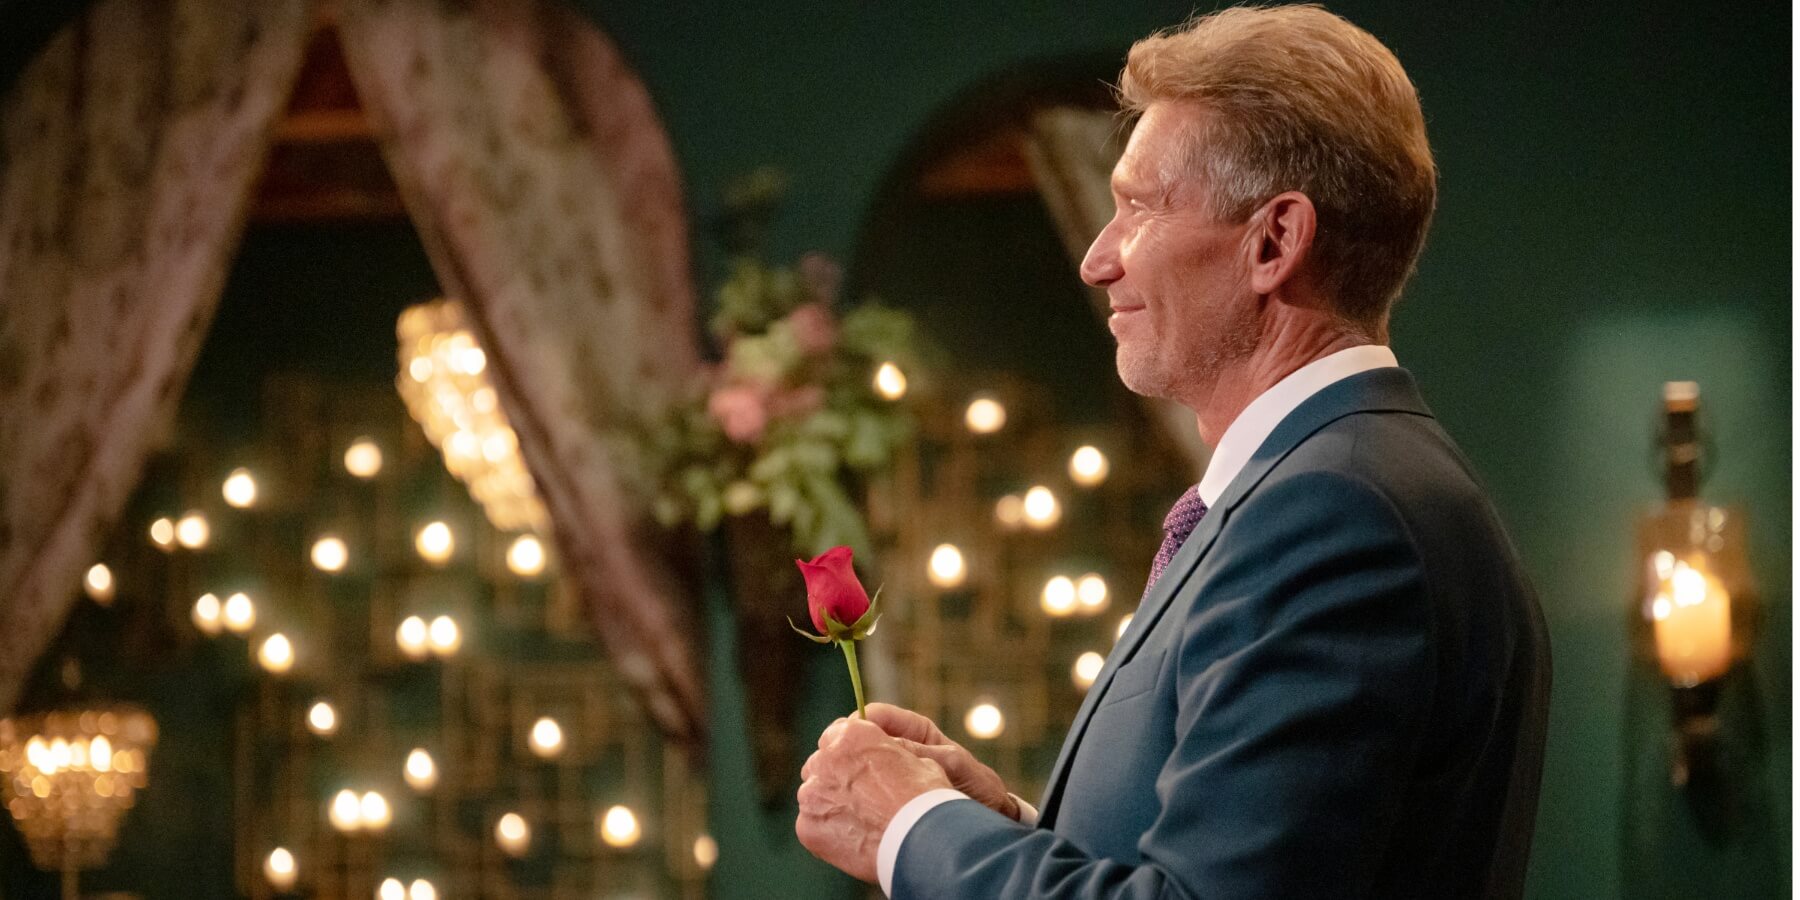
[{"x": 1100, "y": 267}]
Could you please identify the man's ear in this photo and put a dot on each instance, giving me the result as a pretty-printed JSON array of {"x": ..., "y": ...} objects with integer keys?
[{"x": 1280, "y": 240}]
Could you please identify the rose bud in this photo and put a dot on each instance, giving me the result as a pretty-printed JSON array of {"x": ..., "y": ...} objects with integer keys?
[{"x": 832, "y": 589}]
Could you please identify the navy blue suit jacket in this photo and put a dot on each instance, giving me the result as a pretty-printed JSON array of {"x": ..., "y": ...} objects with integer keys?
[{"x": 1337, "y": 689}]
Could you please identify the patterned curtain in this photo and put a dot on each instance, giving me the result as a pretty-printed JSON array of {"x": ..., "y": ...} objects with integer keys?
[
  {"x": 128, "y": 149},
  {"x": 546, "y": 193},
  {"x": 1071, "y": 152}
]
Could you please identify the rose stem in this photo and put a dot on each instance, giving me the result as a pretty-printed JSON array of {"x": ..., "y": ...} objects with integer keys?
[{"x": 855, "y": 675}]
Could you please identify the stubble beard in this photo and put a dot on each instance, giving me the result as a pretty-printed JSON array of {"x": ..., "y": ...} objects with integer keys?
[{"x": 1183, "y": 372}]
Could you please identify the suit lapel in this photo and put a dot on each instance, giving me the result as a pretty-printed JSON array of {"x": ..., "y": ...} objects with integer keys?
[
  {"x": 1377, "y": 390},
  {"x": 1149, "y": 610}
]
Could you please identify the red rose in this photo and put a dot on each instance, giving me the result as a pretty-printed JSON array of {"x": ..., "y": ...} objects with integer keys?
[
  {"x": 832, "y": 590},
  {"x": 832, "y": 587}
]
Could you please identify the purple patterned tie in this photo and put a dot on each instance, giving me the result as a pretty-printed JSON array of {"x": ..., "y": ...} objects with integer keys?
[{"x": 1180, "y": 523}]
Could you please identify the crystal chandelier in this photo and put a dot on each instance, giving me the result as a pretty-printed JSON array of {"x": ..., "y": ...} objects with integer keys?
[
  {"x": 70, "y": 775},
  {"x": 443, "y": 379}
]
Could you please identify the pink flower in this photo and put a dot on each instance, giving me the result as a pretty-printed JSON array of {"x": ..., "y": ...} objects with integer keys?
[
  {"x": 813, "y": 328},
  {"x": 832, "y": 587},
  {"x": 740, "y": 411}
]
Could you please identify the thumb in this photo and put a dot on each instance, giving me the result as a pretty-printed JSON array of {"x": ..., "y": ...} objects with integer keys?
[
  {"x": 904, "y": 723},
  {"x": 942, "y": 754}
]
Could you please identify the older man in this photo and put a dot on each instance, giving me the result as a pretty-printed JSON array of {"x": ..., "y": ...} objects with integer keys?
[{"x": 1336, "y": 682}]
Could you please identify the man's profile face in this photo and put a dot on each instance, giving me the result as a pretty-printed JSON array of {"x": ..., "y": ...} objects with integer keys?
[{"x": 1175, "y": 275}]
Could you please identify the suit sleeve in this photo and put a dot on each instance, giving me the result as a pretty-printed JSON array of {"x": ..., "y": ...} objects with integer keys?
[{"x": 1303, "y": 675}]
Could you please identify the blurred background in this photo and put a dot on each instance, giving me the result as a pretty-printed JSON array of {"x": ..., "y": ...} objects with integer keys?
[{"x": 545, "y": 334}]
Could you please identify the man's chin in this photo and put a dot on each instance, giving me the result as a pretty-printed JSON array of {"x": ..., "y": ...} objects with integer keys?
[{"x": 1142, "y": 379}]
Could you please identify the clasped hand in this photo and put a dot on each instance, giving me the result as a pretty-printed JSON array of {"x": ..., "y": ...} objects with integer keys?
[{"x": 864, "y": 771}]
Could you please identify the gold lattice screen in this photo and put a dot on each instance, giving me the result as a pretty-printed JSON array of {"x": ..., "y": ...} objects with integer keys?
[{"x": 423, "y": 710}]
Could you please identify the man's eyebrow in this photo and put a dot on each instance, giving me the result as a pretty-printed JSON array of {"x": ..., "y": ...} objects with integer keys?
[{"x": 1125, "y": 185}]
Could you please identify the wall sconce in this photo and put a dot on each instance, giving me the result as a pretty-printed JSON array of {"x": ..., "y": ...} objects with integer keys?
[{"x": 1695, "y": 614}]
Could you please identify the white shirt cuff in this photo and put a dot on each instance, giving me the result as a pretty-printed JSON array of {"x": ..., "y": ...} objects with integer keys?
[
  {"x": 888, "y": 854},
  {"x": 1028, "y": 814}
]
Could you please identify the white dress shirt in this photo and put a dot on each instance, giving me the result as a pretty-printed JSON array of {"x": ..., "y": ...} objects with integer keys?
[{"x": 1241, "y": 439}]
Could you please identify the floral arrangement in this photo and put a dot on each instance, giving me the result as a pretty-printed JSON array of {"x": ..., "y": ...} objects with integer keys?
[{"x": 789, "y": 419}]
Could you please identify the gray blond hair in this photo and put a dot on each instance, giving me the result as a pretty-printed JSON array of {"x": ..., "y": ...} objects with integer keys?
[{"x": 1304, "y": 101}]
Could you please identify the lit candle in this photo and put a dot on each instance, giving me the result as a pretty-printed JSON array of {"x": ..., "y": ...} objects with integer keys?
[
  {"x": 984, "y": 721},
  {"x": 346, "y": 811},
  {"x": 890, "y": 382},
  {"x": 280, "y": 869},
  {"x": 445, "y": 637},
  {"x": 413, "y": 638},
  {"x": 1041, "y": 508},
  {"x": 619, "y": 827},
  {"x": 276, "y": 655},
  {"x": 207, "y": 615},
  {"x": 546, "y": 738},
  {"x": 526, "y": 556},
  {"x": 421, "y": 772},
  {"x": 375, "y": 812},
  {"x": 363, "y": 459},
  {"x": 240, "y": 489},
  {"x": 512, "y": 834},
  {"x": 322, "y": 719},
  {"x": 239, "y": 613},
  {"x": 99, "y": 584},
  {"x": 192, "y": 531},
  {"x": 162, "y": 533},
  {"x": 329, "y": 554},
  {"x": 1691, "y": 616},
  {"x": 946, "y": 568},
  {"x": 1087, "y": 668},
  {"x": 1091, "y": 592},
  {"x": 1088, "y": 466},
  {"x": 985, "y": 415},
  {"x": 1009, "y": 511},
  {"x": 706, "y": 851},
  {"x": 435, "y": 543},
  {"x": 1059, "y": 596}
]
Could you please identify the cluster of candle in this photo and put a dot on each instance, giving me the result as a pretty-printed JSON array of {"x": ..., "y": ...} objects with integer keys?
[
  {"x": 1064, "y": 596},
  {"x": 616, "y": 827},
  {"x": 444, "y": 383},
  {"x": 368, "y": 811},
  {"x": 68, "y": 776},
  {"x": 349, "y": 810},
  {"x": 418, "y": 641}
]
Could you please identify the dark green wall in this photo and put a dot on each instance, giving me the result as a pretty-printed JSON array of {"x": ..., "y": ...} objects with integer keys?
[{"x": 1614, "y": 213}]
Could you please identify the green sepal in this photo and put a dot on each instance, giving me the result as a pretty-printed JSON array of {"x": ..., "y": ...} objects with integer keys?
[
  {"x": 838, "y": 630},
  {"x": 865, "y": 626},
  {"x": 807, "y": 634}
]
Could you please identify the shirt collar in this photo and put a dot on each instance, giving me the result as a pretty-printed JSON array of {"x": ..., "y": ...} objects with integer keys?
[{"x": 1253, "y": 425}]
